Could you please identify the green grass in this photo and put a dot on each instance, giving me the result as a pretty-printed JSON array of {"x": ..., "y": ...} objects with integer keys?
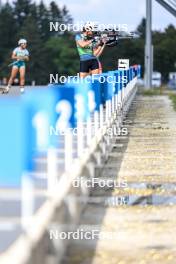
[
  {"x": 161, "y": 91},
  {"x": 173, "y": 99},
  {"x": 152, "y": 92}
]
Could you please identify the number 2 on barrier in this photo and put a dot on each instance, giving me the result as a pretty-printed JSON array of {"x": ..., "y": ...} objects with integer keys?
[{"x": 63, "y": 108}]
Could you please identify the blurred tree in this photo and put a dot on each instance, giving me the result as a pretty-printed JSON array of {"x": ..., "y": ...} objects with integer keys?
[
  {"x": 55, "y": 52},
  {"x": 25, "y": 19},
  {"x": 65, "y": 61},
  {"x": 165, "y": 51},
  {"x": 37, "y": 64},
  {"x": 8, "y": 38},
  {"x": 43, "y": 19},
  {"x": 141, "y": 28},
  {"x": 21, "y": 10}
]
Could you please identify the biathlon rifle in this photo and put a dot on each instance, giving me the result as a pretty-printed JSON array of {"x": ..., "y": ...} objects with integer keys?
[{"x": 111, "y": 37}]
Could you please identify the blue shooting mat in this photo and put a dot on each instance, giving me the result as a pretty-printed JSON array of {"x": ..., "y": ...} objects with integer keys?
[{"x": 15, "y": 141}]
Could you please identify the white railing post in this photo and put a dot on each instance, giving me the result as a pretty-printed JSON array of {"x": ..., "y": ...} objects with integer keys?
[
  {"x": 27, "y": 201},
  {"x": 68, "y": 149}
]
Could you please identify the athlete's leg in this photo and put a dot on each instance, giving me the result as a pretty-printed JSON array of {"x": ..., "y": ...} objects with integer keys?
[
  {"x": 84, "y": 69},
  {"x": 100, "y": 67},
  {"x": 22, "y": 78},
  {"x": 22, "y": 75},
  {"x": 94, "y": 66},
  {"x": 96, "y": 71},
  {"x": 84, "y": 74},
  {"x": 12, "y": 77}
]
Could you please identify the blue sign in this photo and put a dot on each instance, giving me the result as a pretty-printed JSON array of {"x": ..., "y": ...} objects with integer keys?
[
  {"x": 53, "y": 109},
  {"x": 121, "y": 73},
  {"x": 131, "y": 73},
  {"x": 125, "y": 78},
  {"x": 15, "y": 141},
  {"x": 108, "y": 85},
  {"x": 81, "y": 99},
  {"x": 64, "y": 105},
  {"x": 139, "y": 71},
  {"x": 111, "y": 84},
  {"x": 43, "y": 102},
  {"x": 117, "y": 81},
  {"x": 96, "y": 87}
]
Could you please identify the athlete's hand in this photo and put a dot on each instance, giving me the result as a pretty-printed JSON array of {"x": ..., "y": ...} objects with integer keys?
[
  {"x": 104, "y": 40},
  {"x": 19, "y": 58}
]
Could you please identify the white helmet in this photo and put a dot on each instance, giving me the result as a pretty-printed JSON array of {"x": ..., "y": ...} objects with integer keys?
[
  {"x": 22, "y": 41},
  {"x": 90, "y": 26}
]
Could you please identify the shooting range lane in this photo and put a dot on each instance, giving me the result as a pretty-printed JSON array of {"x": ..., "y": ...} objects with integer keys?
[
  {"x": 141, "y": 216},
  {"x": 37, "y": 165}
]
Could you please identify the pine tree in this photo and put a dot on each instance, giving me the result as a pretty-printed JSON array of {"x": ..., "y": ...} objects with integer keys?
[
  {"x": 22, "y": 9},
  {"x": 8, "y": 38},
  {"x": 43, "y": 21},
  {"x": 36, "y": 65}
]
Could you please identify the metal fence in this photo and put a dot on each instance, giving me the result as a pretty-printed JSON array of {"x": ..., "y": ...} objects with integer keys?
[{"x": 50, "y": 137}]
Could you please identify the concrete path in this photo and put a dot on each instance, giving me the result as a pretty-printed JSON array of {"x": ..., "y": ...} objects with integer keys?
[{"x": 134, "y": 223}]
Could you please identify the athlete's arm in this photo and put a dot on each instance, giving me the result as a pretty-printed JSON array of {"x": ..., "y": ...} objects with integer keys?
[
  {"x": 26, "y": 58},
  {"x": 98, "y": 51},
  {"x": 14, "y": 56}
]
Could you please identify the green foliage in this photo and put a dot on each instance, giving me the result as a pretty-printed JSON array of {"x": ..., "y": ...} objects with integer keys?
[
  {"x": 65, "y": 60},
  {"x": 173, "y": 99},
  {"x": 55, "y": 52},
  {"x": 50, "y": 52},
  {"x": 152, "y": 92},
  {"x": 164, "y": 51}
]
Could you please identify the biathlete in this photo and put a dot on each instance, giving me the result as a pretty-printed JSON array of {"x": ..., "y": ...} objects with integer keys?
[
  {"x": 88, "y": 51},
  {"x": 21, "y": 56}
]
